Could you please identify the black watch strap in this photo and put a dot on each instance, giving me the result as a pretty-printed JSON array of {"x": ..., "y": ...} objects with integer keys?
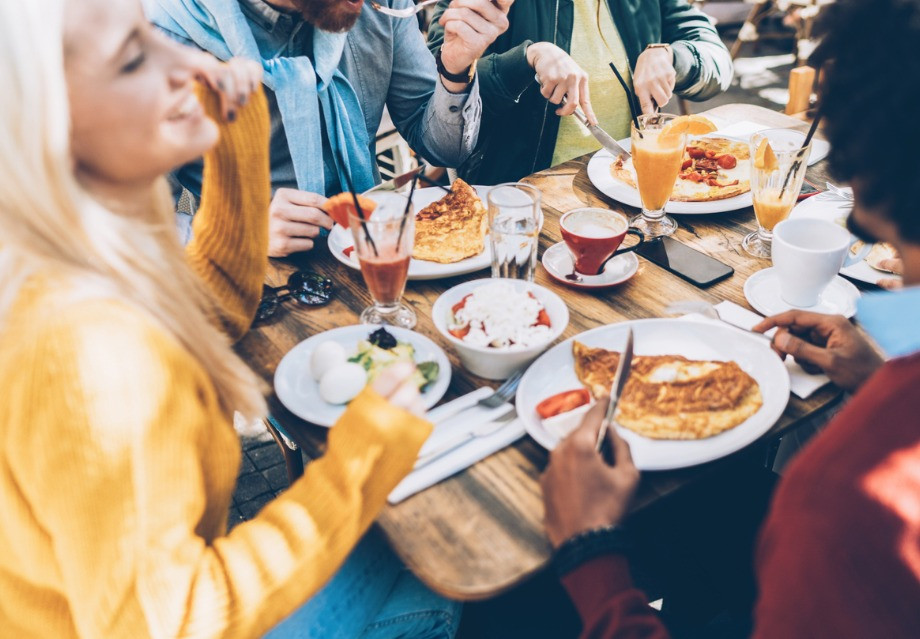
[
  {"x": 590, "y": 544},
  {"x": 466, "y": 76}
]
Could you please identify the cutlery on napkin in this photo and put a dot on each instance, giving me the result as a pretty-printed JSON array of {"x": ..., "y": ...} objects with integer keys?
[
  {"x": 468, "y": 451},
  {"x": 802, "y": 384}
]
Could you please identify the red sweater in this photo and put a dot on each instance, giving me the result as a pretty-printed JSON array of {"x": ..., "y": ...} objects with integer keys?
[{"x": 839, "y": 555}]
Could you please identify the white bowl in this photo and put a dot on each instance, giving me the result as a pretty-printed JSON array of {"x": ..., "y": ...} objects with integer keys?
[{"x": 495, "y": 363}]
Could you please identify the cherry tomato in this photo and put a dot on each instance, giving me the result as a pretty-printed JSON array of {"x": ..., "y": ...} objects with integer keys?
[
  {"x": 456, "y": 307},
  {"x": 563, "y": 402},
  {"x": 459, "y": 333},
  {"x": 710, "y": 154},
  {"x": 686, "y": 165},
  {"x": 348, "y": 250},
  {"x": 695, "y": 152},
  {"x": 728, "y": 161}
]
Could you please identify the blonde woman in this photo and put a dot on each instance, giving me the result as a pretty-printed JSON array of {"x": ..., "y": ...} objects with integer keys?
[{"x": 117, "y": 453}]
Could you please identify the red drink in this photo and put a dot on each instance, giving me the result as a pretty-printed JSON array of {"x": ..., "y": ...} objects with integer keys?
[
  {"x": 593, "y": 236},
  {"x": 385, "y": 277}
]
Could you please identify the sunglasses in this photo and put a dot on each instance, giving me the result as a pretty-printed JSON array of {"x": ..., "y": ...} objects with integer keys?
[{"x": 310, "y": 289}]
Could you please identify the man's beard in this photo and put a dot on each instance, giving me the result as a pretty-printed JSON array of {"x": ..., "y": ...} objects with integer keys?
[{"x": 335, "y": 16}]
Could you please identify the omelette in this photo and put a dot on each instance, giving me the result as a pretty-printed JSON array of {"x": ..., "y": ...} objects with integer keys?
[
  {"x": 451, "y": 229},
  {"x": 670, "y": 396}
]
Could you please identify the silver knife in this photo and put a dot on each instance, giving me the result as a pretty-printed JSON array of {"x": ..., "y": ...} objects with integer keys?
[
  {"x": 397, "y": 182},
  {"x": 599, "y": 134},
  {"x": 616, "y": 389},
  {"x": 602, "y": 136}
]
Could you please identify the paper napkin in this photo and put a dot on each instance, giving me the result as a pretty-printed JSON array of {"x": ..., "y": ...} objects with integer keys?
[{"x": 465, "y": 455}]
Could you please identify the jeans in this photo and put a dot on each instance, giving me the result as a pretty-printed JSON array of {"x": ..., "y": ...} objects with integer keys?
[{"x": 372, "y": 596}]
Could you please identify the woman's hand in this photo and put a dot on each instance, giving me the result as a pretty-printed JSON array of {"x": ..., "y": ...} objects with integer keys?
[
  {"x": 580, "y": 491},
  {"x": 654, "y": 78},
  {"x": 395, "y": 384},
  {"x": 561, "y": 77},
  {"x": 234, "y": 81},
  {"x": 829, "y": 343}
]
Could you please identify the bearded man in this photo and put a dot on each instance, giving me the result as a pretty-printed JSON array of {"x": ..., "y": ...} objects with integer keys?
[{"x": 331, "y": 66}]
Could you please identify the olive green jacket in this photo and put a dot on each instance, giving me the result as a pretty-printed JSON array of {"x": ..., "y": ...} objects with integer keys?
[{"x": 519, "y": 125}]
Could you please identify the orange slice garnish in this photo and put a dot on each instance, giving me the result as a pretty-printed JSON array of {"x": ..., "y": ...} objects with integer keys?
[
  {"x": 689, "y": 125},
  {"x": 764, "y": 157}
]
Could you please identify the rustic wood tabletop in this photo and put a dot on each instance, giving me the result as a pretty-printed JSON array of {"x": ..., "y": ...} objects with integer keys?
[{"x": 480, "y": 532}]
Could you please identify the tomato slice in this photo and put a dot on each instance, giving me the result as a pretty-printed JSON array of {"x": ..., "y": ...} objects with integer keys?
[
  {"x": 543, "y": 318},
  {"x": 563, "y": 402},
  {"x": 348, "y": 250},
  {"x": 459, "y": 333},
  {"x": 456, "y": 307}
]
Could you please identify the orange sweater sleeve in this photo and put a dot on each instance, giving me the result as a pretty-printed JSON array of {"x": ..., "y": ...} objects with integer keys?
[
  {"x": 127, "y": 466},
  {"x": 229, "y": 249}
]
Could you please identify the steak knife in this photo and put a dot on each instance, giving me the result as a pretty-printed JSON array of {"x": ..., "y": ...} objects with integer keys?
[{"x": 616, "y": 389}]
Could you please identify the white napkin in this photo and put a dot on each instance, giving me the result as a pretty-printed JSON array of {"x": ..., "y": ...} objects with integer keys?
[
  {"x": 465, "y": 455},
  {"x": 745, "y": 129},
  {"x": 802, "y": 384}
]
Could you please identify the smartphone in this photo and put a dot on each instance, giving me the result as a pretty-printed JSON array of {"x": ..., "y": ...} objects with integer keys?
[
  {"x": 686, "y": 262},
  {"x": 808, "y": 189}
]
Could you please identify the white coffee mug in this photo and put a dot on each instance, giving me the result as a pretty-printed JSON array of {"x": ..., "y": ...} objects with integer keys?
[{"x": 807, "y": 254}]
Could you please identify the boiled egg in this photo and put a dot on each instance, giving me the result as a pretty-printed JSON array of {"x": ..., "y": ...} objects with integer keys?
[
  {"x": 326, "y": 356},
  {"x": 342, "y": 383}
]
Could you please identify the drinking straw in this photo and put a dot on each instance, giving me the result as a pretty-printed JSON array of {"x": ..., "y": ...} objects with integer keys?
[
  {"x": 798, "y": 163},
  {"x": 427, "y": 180},
  {"x": 631, "y": 98},
  {"x": 358, "y": 209},
  {"x": 402, "y": 224}
]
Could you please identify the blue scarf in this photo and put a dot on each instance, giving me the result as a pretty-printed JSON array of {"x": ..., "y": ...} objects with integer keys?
[{"x": 309, "y": 94}]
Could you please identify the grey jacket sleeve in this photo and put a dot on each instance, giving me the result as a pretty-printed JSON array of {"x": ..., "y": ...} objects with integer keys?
[
  {"x": 440, "y": 125},
  {"x": 701, "y": 61}
]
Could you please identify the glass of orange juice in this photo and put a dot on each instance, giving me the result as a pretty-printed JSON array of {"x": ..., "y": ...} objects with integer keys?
[
  {"x": 383, "y": 244},
  {"x": 778, "y": 167},
  {"x": 657, "y": 154}
]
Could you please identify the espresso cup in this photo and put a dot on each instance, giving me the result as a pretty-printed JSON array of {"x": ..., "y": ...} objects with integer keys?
[
  {"x": 594, "y": 235},
  {"x": 807, "y": 254}
]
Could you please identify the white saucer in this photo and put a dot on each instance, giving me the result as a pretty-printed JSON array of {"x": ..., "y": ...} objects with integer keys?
[
  {"x": 558, "y": 262},
  {"x": 762, "y": 292}
]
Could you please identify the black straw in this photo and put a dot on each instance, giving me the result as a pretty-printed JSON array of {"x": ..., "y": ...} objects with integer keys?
[
  {"x": 427, "y": 180},
  {"x": 631, "y": 99},
  {"x": 358, "y": 210},
  {"x": 402, "y": 224},
  {"x": 798, "y": 163}
]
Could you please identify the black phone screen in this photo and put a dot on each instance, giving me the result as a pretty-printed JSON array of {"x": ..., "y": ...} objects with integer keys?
[{"x": 684, "y": 261}]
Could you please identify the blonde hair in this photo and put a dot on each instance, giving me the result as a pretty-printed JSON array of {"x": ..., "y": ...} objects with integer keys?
[{"x": 51, "y": 223}]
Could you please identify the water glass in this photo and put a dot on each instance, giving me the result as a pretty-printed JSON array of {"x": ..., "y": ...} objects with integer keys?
[{"x": 515, "y": 221}]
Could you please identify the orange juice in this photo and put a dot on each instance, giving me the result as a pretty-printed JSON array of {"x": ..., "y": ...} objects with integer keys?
[
  {"x": 657, "y": 163},
  {"x": 770, "y": 209}
]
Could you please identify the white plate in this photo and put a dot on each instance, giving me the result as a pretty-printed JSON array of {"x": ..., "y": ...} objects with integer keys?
[
  {"x": 600, "y": 176},
  {"x": 299, "y": 392},
  {"x": 557, "y": 260},
  {"x": 340, "y": 238},
  {"x": 555, "y": 372},
  {"x": 762, "y": 292},
  {"x": 831, "y": 210}
]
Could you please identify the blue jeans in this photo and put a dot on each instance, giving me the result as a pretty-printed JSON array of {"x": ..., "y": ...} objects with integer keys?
[{"x": 372, "y": 596}]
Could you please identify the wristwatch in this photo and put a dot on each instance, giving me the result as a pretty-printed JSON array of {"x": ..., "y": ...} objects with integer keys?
[
  {"x": 465, "y": 76},
  {"x": 659, "y": 45}
]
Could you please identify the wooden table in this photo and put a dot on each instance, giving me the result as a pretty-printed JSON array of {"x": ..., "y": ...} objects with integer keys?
[{"x": 481, "y": 532}]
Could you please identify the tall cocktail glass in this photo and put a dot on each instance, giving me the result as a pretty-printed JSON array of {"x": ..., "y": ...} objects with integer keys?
[
  {"x": 383, "y": 244},
  {"x": 657, "y": 155},
  {"x": 776, "y": 179},
  {"x": 515, "y": 220}
]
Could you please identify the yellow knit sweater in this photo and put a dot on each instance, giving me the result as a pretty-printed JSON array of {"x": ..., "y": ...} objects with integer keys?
[{"x": 117, "y": 464}]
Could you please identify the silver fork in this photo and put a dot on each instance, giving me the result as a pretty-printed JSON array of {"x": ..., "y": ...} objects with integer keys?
[
  {"x": 501, "y": 395},
  {"x": 408, "y": 12}
]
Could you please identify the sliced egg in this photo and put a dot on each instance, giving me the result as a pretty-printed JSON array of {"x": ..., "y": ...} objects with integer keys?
[
  {"x": 326, "y": 356},
  {"x": 342, "y": 383},
  {"x": 564, "y": 423}
]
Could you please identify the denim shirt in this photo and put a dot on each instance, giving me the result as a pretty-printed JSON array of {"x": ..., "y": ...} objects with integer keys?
[
  {"x": 890, "y": 318},
  {"x": 388, "y": 64}
]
